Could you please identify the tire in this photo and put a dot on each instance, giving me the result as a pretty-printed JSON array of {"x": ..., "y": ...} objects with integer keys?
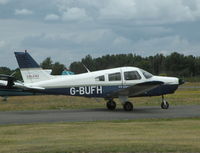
[
  {"x": 111, "y": 105},
  {"x": 128, "y": 106},
  {"x": 165, "y": 105}
]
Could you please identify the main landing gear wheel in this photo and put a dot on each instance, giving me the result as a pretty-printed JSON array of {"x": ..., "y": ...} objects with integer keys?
[
  {"x": 111, "y": 105},
  {"x": 164, "y": 104},
  {"x": 128, "y": 106}
]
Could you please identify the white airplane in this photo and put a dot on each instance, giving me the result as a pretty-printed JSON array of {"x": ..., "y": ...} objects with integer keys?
[{"x": 122, "y": 83}]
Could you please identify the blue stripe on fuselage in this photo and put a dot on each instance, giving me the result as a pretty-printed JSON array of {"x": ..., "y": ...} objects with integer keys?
[
  {"x": 161, "y": 90},
  {"x": 85, "y": 91},
  {"x": 105, "y": 91},
  {"x": 15, "y": 92}
]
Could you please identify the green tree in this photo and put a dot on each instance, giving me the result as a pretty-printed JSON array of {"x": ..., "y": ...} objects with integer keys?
[
  {"x": 88, "y": 62},
  {"x": 17, "y": 74},
  {"x": 47, "y": 63},
  {"x": 77, "y": 68},
  {"x": 174, "y": 64},
  {"x": 57, "y": 68},
  {"x": 158, "y": 64},
  {"x": 197, "y": 66},
  {"x": 5, "y": 70}
]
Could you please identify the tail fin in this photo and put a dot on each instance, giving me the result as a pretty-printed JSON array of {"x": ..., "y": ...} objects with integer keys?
[{"x": 30, "y": 69}]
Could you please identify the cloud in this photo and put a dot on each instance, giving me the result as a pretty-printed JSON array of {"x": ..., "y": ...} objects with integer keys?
[
  {"x": 75, "y": 14},
  {"x": 131, "y": 12},
  {"x": 119, "y": 41},
  {"x": 81, "y": 27},
  {"x": 45, "y": 41},
  {"x": 73, "y": 10},
  {"x": 149, "y": 12},
  {"x": 4, "y": 1},
  {"x": 78, "y": 39},
  {"x": 2, "y": 43},
  {"x": 120, "y": 9},
  {"x": 52, "y": 17},
  {"x": 23, "y": 12},
  {"x": 166, "y": 43}
]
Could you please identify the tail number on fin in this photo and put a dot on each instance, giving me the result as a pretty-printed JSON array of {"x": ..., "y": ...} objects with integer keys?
[
  {"x": 33, "y": 76},
  {"x": 87, "y": 90}
]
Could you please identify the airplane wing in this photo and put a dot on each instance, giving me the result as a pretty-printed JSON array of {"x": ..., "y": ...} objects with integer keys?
[
  {"x": 8, "y": 79},
  {"x": 9, "y": 82},
  {"x": 137, "y": 89}
]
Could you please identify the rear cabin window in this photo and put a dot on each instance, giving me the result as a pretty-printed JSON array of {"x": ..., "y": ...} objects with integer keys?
[
  {"x": 132, "y": 75},
  {"x": 100, "y": 78},
  {"x": 114, "y": 77}
]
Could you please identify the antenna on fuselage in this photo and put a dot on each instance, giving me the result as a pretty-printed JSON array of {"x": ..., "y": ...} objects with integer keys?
[
  {"x": 13, "y": 74},
  {"x": 86, "y": 68}
]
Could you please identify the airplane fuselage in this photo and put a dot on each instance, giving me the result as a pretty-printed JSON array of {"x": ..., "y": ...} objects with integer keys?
[{"x": 102, "y": 83}]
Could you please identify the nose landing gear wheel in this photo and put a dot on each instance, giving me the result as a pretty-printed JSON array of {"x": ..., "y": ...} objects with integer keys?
[
  {"x": 111, "y": 105},
  {"x": 165, "y": 105},
  {"x": 128, "y": 106}
]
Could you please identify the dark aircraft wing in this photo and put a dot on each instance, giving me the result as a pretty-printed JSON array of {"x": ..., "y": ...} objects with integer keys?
[
  {"x": 11, "y": 83},
  {"x": 9, "y": 79},
  {"x": 138, "y": 89}
]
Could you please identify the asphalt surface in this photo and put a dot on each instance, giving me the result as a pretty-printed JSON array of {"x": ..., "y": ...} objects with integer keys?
[{"x": 82, "y": 115}]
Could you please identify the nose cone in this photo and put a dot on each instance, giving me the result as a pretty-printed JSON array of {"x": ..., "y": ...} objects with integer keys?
[{"x": 181, "y": 81}]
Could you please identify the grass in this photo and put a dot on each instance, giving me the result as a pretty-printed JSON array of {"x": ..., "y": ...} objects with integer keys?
[
  {"x": 48, "y": 103},
  {"x": 192, "y": 79},
  {"x": 153, "y": 135},
  {"x": 174, "y": 135},
  {"x": 188, "y": 94}
]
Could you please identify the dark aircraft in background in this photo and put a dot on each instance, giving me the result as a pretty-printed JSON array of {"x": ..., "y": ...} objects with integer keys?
[{"x": 7, "y": 89}]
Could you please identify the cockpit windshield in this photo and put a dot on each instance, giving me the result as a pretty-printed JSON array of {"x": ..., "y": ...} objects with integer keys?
[{"x": 146, "y": 74}]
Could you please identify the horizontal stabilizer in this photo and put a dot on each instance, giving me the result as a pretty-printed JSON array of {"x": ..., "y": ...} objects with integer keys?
[
  {"x": 22, "y": 86},
  {"x": 35, "y": 88}
]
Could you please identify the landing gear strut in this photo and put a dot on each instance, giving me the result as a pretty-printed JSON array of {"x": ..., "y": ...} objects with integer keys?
[
  {"x": 111, "y": 104},
  {"x": 164, "y": 104}
]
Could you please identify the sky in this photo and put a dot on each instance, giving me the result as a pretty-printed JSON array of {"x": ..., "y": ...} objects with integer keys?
[{"x": 68, "y": 30}]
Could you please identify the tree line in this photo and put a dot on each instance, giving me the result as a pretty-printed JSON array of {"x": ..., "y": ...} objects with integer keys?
[
  {"x": 56, "y": 68},
  {"x": 175, "y": 64}
]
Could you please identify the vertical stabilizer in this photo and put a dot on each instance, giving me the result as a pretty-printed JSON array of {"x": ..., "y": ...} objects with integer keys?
[{"x": 30, "y": 69}]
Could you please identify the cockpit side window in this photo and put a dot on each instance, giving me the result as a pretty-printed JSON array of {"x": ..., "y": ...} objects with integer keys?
[
  {"x": 146, "y": 74},
  {"x": 132, "y": 75},
  {"x": 114, "y": 76},
  {"x": 100, "y": 78}
]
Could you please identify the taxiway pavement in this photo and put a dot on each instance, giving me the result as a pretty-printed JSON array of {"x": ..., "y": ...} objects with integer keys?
[{"x": 83, "y": 115}]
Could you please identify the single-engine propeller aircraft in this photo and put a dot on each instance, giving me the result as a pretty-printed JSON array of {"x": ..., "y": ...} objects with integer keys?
[{"x": 122, "y": 83}]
